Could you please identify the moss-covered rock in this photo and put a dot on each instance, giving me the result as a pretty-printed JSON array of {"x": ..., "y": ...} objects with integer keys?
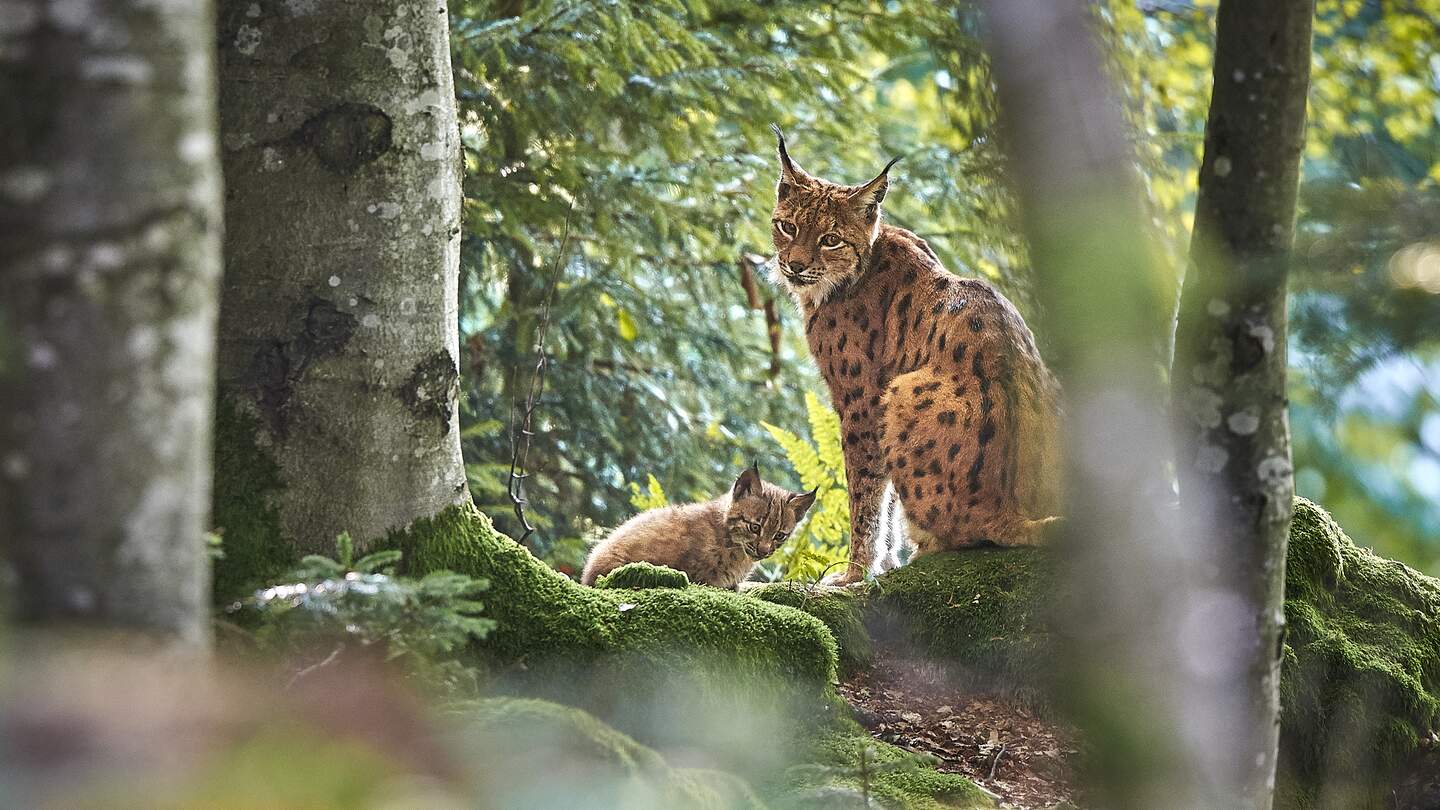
[
  {"x": 639, "y": 575},
  {"x": 837, "y": 608},
  {"x": 700, "y": 668},
  {"x": 1361, "y": 680},
  {"x": 845, "y": 765},
  {"x": 746, "y": 682},
  {"x": 980, "y": 611},
  {"x": 538, "y": 754},
  {"x": 1360, "y": 685}
]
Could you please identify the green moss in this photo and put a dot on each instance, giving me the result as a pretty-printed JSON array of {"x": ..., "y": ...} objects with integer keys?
[
  {"x": 686, "y": 667},
  {"x": 1361, "y": 678},
  {"x": 837, "y": 608},
  {"x": 1360, "y": 681},
  {"x": 592, "y": 764},
  {"x": 745, "y": 681},
  {"x": 981, "y": 611},
  {"x": 835, "y": 777},
  {"x": 639, "y": 575},
  {"x": 245, "y": 510}
]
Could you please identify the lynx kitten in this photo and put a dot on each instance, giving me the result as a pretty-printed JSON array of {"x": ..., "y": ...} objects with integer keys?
[{"x": 716, "y": 542}]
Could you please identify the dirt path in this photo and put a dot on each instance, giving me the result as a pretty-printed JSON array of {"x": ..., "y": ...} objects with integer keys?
[{"x": 1024, "y": 759}]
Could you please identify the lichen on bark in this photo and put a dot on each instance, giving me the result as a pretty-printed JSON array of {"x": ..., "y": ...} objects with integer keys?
[{"x": 339, "y": 326}]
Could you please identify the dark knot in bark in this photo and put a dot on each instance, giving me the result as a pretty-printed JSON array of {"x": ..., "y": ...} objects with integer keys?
[
  {"x": 431, "y": 389},
  {"x": 347, "y": 136}
]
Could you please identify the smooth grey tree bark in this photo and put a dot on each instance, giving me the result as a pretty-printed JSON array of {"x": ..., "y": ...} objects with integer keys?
[
  {"x": 339, "y": 330},
  {"x": 109, "y": 261},
  {"x": 1228, "y": 379}
]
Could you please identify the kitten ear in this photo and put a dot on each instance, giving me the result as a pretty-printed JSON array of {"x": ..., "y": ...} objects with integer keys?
[
  {"x": 748, "y": 483},
  {"x": 802, "y": 501},
  {"x": 790, "y": 174},
  {"x": 869, "y": 196}
]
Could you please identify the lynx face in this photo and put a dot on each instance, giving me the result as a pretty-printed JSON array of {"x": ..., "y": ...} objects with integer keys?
[
  {"x": 762, "y": 515},
  {"x": 822, "y": 230}
]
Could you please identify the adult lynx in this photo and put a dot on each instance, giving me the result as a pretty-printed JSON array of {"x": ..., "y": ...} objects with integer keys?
[{"x": 941, "y": 391}]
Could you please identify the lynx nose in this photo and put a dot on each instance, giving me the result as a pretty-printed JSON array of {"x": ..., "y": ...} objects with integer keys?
[{"x": 796, "y": 268}]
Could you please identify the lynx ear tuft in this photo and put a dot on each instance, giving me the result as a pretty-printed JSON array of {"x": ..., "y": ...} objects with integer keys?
[
  {"x": 790, "y": 174},
  {"x": 748, "y": 483},
  {"x": 870, "y": 195},
  {"x": 802, "y": 501}
]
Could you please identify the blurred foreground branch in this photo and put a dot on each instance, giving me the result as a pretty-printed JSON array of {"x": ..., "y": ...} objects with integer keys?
[{"x": 1134, "y": 620}]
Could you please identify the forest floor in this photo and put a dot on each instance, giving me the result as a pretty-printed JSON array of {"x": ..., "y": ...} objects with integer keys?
[{"x": 1003, "y": 746}]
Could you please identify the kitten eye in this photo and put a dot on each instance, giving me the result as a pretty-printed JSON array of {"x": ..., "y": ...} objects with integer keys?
[
  {"x": 830, "y": 241},
  {"x": 781, "y": 535},
  {"x": 754, "y": 527},
  {"x": 786, "y": 228}
]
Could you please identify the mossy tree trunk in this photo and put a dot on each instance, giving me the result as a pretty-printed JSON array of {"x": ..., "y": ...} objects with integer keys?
[
  {"x": 1228, "y": 377},
  {"x": 109, "y": 261},
  {"x": 338, "y": 340}
]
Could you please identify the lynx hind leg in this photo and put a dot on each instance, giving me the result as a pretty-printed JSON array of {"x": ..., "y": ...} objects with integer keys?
[{"x": 929, "y": 442}]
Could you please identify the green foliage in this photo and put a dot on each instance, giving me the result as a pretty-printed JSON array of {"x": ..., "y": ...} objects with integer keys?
[
  {"x": 820, "y": 543},
  {"x": 652, "y": 497},
  {"x": 327, "y": 607},
  {"x": 641, "y": 129},
  {"x": 657, "y": 163},
  {"x": 1363, "y": 321}
]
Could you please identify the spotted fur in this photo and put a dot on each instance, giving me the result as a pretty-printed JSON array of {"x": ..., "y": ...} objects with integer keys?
[
  {"x": 716, "y": 542},
  {"x": 942, "y": 394}
]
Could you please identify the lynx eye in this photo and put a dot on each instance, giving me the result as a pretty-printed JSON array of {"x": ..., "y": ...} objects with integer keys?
[
  {"x": 754, "y": 527},
  {"x": 781, "y": 535},
  {"x": 830, "y": 241},
  {"x": 786, "y": 228}
]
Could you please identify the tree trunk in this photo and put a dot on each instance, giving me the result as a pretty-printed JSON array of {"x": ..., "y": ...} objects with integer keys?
[
  {"x": 110, "y": 215},
  {"x": 338, "y": 375},
  {"x": 1228, "y": 377}
]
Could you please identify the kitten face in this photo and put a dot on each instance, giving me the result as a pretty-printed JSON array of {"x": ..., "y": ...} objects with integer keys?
[
  {"x": 822, "y": 230},
  {"x": 761, "y": 515}
]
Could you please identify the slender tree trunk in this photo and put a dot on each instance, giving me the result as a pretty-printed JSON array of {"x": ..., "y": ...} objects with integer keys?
[
  {"x": 337, "y": 361},
  {"x": 1229, "y": 372},
  {"x": 109, "y": 260}
]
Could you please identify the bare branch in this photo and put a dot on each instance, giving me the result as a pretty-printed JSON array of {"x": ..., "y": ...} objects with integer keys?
[{"x": 522, "y": 416}]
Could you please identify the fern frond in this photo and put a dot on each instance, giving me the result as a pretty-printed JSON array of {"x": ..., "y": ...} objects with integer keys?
[
  {"x": 802, "y": 456},
  {"x": 825, "y": 430},
  {"x": 652, "y": 497}
]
